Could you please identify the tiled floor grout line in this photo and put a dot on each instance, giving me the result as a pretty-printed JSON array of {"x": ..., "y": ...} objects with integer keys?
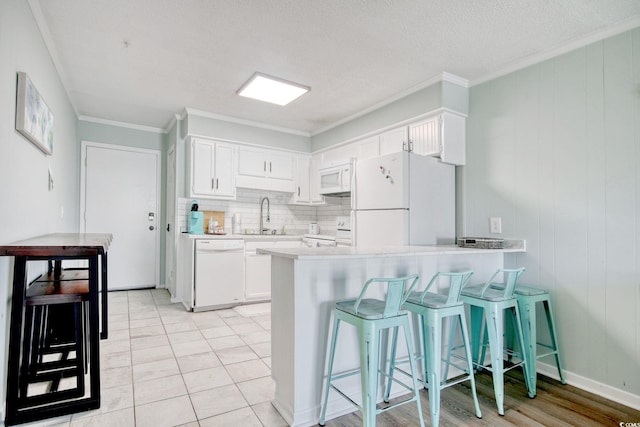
[
  {"x": 237, "y": 374},
  {"x": 175, "y": 356}
]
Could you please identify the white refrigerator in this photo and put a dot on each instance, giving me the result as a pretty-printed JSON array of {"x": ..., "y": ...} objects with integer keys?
[{"x": 403, "y": 199}]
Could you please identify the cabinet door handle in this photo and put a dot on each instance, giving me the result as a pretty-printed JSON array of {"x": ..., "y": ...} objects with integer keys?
[
  {"x": 269, "y": 166},
  {"x": 213, "y": 183},
  {"x": 264, "y": 167},
  {"x": 217, "y": 184},
  {"x": 298, "y": 191}
]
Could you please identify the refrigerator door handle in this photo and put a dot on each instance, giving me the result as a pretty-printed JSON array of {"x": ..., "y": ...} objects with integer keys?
[{"x": 354, "y": 228}]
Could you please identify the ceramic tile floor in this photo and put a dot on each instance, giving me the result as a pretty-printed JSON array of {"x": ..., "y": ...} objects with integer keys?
[{"x": 164, "y": 366}]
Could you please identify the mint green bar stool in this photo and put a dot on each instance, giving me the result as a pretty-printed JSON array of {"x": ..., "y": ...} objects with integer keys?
[
  {"x": 488, "y": 304},
  {"x": 528, "y": 297},
  {"x": 433, "y": 308},
  {"x": 370, "y": 317}
]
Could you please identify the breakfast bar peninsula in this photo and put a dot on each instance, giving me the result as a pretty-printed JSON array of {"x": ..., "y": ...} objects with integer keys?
[{"x": 306, "y": 283}]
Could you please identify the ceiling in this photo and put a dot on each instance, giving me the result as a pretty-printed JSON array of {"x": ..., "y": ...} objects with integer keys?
[{"x": 143, "y": 61}]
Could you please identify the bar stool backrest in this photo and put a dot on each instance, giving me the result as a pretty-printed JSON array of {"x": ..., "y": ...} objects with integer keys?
[
  {"x": 397, "y": 293},
  {"x": 508, "y": 286},
  {"x": 457, "y": 281}
]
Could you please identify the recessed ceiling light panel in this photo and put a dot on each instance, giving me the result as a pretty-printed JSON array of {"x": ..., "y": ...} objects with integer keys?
[{"x": 272, "y": 89}]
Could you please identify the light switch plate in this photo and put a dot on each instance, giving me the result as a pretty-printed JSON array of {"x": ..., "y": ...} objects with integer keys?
[{"x": 495, "y": 225}]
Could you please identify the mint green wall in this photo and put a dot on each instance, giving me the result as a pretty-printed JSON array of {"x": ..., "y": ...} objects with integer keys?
[
  {"x": 119, "y": 135},
  {"x": 415, "y": 104},
  {"x": 135, "y": 138},
  {"x": 455, "y": 97},
  {"x": 554, "y": 149},
  {"x": 29, "y": 208},
  {"x": 197, "y": 125}
]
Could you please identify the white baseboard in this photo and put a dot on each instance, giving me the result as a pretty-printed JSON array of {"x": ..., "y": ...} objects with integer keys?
[{"x": 595, "y": 387}]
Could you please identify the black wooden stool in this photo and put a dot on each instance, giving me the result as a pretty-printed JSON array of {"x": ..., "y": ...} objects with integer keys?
[{"x": 55, "y": 324}]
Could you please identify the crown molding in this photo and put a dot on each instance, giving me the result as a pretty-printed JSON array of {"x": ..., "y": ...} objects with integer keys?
[
  {"x": 176, "y": 117},
  {"x": 577, "y": 43},
  {"x": 122, "y": 124},
  {"x": 216, "y": 116},
  {"x": 452, "y": 78}
]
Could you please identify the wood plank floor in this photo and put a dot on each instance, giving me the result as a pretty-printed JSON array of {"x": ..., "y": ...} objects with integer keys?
[{"x": 555, "y": 405}]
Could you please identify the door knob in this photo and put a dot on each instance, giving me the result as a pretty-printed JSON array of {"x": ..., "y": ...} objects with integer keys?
[{"x": 151, "y": 227}]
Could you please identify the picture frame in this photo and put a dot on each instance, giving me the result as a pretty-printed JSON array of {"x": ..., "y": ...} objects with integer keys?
[{"x": 34, "y": 119}]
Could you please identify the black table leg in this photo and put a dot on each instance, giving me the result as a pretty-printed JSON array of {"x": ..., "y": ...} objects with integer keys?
[
  {"x": 105, "y": 297},
  {"x": 15, "y": 338},
  {"x": 94, "y": 329}
]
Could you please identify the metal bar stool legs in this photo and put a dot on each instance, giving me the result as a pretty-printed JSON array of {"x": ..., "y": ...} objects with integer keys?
[
  {"x": 528, "y": 297},
  {"x": 488, "y": 304},
  {"x": 370, "y": 317},
  {"x": 432, "y": 309}
]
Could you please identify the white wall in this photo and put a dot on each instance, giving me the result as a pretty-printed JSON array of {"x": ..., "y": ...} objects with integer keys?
[
  {"x": 554, "y": 149},
  {"x": 28, "y": 208}
]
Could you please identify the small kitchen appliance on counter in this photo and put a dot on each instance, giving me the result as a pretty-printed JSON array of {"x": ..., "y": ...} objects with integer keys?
[
  {"x": 237, "y": 223},
  {"x": 480, "y": 243},
  {"x": 195, "y": 223},
  {"x": 314, "y": 228}
]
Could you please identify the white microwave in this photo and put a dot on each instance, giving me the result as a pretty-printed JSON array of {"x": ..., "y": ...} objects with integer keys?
[{"x": 335, "y": 179}]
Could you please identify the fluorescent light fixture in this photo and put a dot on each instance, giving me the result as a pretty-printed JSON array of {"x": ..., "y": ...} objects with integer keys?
[{"x": 271, "y": 89}]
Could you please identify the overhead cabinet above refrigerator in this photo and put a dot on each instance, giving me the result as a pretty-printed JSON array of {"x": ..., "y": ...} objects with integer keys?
[{"x": 404, "y": 199}]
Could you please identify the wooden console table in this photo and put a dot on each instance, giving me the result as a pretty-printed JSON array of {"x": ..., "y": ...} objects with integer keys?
[{"x": 56, "y": 248}]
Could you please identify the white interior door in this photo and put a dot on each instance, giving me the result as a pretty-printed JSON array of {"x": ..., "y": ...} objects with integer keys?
[{"x": 120, "y": 196}]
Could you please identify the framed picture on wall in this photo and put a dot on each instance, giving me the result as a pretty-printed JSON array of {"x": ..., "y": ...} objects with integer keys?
[{"x": 34, "y": 120}]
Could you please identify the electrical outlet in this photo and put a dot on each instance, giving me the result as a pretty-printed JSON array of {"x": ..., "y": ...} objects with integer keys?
[{"x": 495, "y": 225}]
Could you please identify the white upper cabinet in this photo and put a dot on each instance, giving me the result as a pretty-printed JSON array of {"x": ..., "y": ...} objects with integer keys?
[
  {"x": 262, "y": 169},
  {"x": 211, "y": 174},
  {"x": 307, "y": 187},
  {"x": 302, "y": 193},
  {"x": 393, "y": 141},
  {"x": 441, "y": 136},
  {"x": 314, "y": 180},
  {"x": 281, "y": 165},
  {"x": 368, "y": 147},
  {"x": 339, "y": 154}
]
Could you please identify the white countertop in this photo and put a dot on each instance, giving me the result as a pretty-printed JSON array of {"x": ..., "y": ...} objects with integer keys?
[
  {"x": 306, "y": 253},
  {"x": 245, "y": 237}
]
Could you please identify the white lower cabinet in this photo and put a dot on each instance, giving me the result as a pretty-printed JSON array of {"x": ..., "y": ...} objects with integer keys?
[
  {"x": 257, "y": 273},
  {"x": 223, "y": 276},
  {"x": 257, "y": 276}
]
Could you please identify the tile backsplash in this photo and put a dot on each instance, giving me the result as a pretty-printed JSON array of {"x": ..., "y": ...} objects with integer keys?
[{"x": 294, "y": 218}]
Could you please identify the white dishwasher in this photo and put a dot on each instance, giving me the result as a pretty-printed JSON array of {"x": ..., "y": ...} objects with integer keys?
[{"x": 219, "y": 273}]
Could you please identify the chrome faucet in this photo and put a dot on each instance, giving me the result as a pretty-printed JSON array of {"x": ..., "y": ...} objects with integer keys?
[{"x": 262, "y": 229}]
